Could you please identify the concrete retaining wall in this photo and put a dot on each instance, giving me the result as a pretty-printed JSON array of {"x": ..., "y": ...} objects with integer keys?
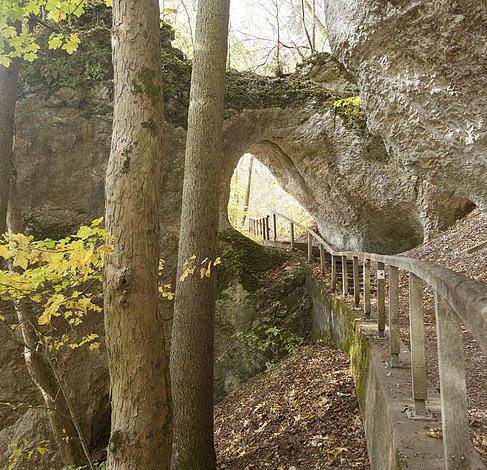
[{"x": 394, "y": 442}]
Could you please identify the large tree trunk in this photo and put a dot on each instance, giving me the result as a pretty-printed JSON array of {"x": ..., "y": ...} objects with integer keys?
[
  {"x": 8, "y": 97},
  {"x": 192, "y": 338},
  {"x": 66, "y": 430},
  {"x": 140, "y": 389}
]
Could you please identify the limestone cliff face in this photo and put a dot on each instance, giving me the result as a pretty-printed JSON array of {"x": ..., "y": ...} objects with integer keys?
[
  {"x": 361, "y": 196},
  {"x": 343, "y": 176},
  {"x": 421, "y": 68}
]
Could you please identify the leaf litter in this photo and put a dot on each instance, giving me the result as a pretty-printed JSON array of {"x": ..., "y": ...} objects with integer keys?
[{"x": 302, "y": 414}]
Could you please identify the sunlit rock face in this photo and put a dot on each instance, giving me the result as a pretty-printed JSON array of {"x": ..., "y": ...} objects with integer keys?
[
  {"x": 360, "y": 193},
  {"x": 361, "y": 198},
  {"x": 421, "y": 68}
]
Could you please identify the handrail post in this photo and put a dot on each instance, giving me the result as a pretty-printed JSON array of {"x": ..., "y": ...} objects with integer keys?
[
  {"x": 381, "y": 299},
  {"x": 292, "y": 235},
  {"x": 268, "y": 227},
  {"x": 274, "y": 225},
  {"x": 310, "y": 247},
  {"x": 416, "y": 331},
  {"x": 453, "y": 390},
  {"x": 333, "y": 273},
  {"x": 344, "y": 275},
  {"x": 322, "y": 258},
  {"x": 356, "y": 282},
  {"x": 394, "y": 336},
  {"x": 262, "y": 222},
  {"x": 367, "y": 308}
]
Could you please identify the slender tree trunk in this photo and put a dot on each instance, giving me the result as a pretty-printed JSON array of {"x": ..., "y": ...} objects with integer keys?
[
  {"x": 8, "y": 97},
  {"x": 303, "y": 19},
  {"x": 318, "y": 24},
  {"x": 279, "y": 67},
  {"x": 190, "y": 26},
  {"x": 140, "y": 388},
  {"x": 192, "y": 338},
  {"x": 67, "y": 433},
  {"x": 247, "y": 192},
  {"x": 313, "y": 35}
]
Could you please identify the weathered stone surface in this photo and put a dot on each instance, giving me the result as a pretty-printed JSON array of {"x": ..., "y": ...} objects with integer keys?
[
  {"x": 421, "y": 68},
  {"x": 360, "y": 197}
]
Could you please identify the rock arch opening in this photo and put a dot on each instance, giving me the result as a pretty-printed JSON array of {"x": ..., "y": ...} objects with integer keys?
[{"x": 255, "y": 191}]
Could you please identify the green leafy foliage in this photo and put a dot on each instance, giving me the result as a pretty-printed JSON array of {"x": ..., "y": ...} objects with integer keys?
[
  {"x": 56, "y": 67},
  {"x": 17, "y": 40},
  {"x": 23, "y": 450},
  {"x": 272, "y": 340},
  {"x": 57, "y": 280}
]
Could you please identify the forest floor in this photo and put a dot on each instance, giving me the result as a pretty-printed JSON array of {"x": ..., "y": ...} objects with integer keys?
[{"x": 302, "y": 414}]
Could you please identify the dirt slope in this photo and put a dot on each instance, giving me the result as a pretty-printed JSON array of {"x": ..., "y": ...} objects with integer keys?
[{"x": 301, "y": 415}]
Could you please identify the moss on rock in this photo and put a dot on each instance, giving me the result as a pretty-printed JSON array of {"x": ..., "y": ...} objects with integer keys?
[
  {"x": 244, "y": 90},
  {"x": 244, "y": 259}
]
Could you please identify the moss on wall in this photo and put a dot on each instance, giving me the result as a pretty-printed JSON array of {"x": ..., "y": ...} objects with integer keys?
[{"x": 344, "y": 330}]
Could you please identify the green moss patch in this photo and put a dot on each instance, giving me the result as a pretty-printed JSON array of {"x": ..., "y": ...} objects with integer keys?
[{"x": 244, "y": 259}]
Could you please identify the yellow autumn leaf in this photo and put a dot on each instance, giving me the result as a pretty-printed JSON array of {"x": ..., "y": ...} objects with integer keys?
[
  {"x": 5, "y": 61},
  {"x": 21, "y": 260},
  {"x": 5, "y": 252},
  {"x": 106, "y": 249},
  {"x": 71, "y": 44},
  {"x": 52, "y": 309},
  {"x": 20, "y": 238}
]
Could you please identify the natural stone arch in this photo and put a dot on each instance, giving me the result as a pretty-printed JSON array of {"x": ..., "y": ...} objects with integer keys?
[{"x": 342, "y": 175}]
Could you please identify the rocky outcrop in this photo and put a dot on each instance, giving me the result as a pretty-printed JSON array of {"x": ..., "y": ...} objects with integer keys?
[
  {"x": 361, "y": 197},
  {"x": 421, "y": 69},
  {"x": 363, "y": 193}
]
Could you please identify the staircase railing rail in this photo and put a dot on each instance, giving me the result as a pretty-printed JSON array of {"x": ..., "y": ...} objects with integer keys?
[{"x": 458, "y": 300}]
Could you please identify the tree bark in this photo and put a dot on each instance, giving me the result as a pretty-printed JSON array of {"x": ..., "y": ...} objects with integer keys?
[
  {"x": 140, "y": 388},
  {"x": 247, "y": 192},
  {"x": 192, "y": 337},
  {"x": 8, "y": 97},
  {"x": 67, "y": 433}
]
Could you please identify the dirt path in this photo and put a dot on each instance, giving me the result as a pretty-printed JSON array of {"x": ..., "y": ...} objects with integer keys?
[{"x": 301, "y": 415}]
